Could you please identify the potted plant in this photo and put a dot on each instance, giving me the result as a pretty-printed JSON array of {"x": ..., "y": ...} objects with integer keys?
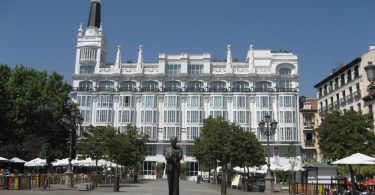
[
  {"x": 158, "y": 170},
  {"x": 184, "y": 168}
]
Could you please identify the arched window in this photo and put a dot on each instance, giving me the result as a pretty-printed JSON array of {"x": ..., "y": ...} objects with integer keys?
[
  {"x": 285, "y": 71},
  {"x": 217, "y": 86},
  {"x": 150, "y": 86},
  {"x": 105, "y": 86},
  {"x": 172, "y": 86},
  {"x": 194, "y": 86},
  {"x": 85, "y": 86},
  {"x": 263, "y": 86},
  {"x": 127, "y": 86},
  {"x": 240, "y": 86}
]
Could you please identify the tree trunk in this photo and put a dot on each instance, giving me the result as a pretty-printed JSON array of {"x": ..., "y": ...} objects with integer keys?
[{"x": 352, "y": 181}]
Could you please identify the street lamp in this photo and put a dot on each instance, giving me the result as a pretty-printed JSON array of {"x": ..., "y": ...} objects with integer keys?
[
  {"x": 73, "y": 121},
  {"x": 267, "y": 128},
  {"x": 370, "y": 72}
]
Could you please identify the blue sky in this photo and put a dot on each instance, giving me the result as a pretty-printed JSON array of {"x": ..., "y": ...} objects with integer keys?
[{"x": 42, "y": 33}]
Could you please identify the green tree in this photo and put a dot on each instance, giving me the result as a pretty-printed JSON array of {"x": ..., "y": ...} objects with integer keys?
[
  {"x": 128, "y": 148},
  {"x": 344, "y": 134},
  {"x": 32, "y": 105},
  {"x": 227, "y": 143},
  {"x": 92, "y": 143}
]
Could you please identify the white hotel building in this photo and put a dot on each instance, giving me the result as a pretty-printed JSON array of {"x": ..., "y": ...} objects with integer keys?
[{"x": 171, "y": 97}]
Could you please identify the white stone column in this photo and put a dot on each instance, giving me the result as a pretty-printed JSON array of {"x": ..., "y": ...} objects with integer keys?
[
  {"x": 138, "y": 99},
  {"x": 183, "y": 118},
  {"x": 161, "y": 117},
  {"x": 230, "y": 108}
]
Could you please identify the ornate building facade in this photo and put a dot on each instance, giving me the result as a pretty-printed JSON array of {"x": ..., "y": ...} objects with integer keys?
[{"x": 171, "y": 97}]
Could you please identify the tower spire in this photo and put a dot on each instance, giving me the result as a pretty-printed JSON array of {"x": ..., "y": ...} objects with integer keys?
[
  {"x": 229, "y": 55},
  {"x": 118, "y": 57},
  {"x": 140, "y": 59},
  {"x": 94, "y": 17}
]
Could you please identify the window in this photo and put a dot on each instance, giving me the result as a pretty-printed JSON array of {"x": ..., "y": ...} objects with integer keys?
[
  {"x": 193, "y": 169},
  {"x": 239, "y": 86},
  {"x": 287, "y": 101},
  {"x": 287, "y": 116},
  {"x": 172, "y": 116},
  {"x": 86, "y": 116},
  {"x": 150, "y": 86},
  {"x": 217, "y": 85},
  {"x": 149, "y": 116},
  {"x": 241, "y": 117},
  {"x": 189, "y": 150},
  {"x": 261, "y": 114},
  {"x": 86, "y": 69},
  {"x": 84, "y": 101},
  {"x": 263, "y": 102},
  {"x": 194, "y": 116},
  {"x": 263, "y": 86},
  {"x": 150, "y": 149},
  {"x": 105, "y": 100},
  {"x": 127, "y": 86},
  {"x": 104, "y": 116},
  {"x": 356, "y": 72},
  {"x": 194, "y": 86},
  {"x": 218, "y": 102},
  {"x": 172, "y": 86},
  {"x": 240, "y": 102},
  {"x": 349, "y": 73},
  {"x": 127, "y": 101},
  {"x": 192, "y": 133},
  {"x": 284, "y": 84},
  {"x": 172, "y": 101},
  {"x": 149, "y": 101},
  {"x": 288, "y": 134},
  {"x": 195, "y": 68},
  {"x": 87, "y": 53},
  {"x": 148, "y": 168},
  {"x": 171, "y": 131},
  {"x": 195, "y": 101},
  {"x": 127, "y": 116},
  {"x": 85, "y": 86},
  {"x": 106, "y": 85},
  {"x": 219, "y": 113},
  {"x": 342, "y": 79},
  {"x": 173, "y": 69},
  {"x": 285, "y": 72},
  {"x": 151, "y": 132}
]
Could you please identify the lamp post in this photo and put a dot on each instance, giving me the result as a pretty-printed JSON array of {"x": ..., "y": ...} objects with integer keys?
[
  {"x": 370, "y": 72},
  {"x": 267, "y": 128},
  {"x": 73, "y": 121}
]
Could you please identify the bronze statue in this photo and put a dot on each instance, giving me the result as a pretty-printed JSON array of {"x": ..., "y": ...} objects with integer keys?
[{"x": 173, "y": 155}]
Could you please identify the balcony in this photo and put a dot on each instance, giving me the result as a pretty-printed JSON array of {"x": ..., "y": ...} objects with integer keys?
[
  {"x": 349, "y": 98},
  {"x": 343, "y": 102},
  {"x": 83, "y": 89},
  {"x": 309, "y": 142},
  {"x": 172, "y": 89},
  {"x": 217, "y": 89},
  {"x": 336, "y": 105},
  {"x": 263, "y": 90},
  {"x": 308, "y": 125},
  {"x": 357, "y": 95},
  {"x": 110, "y": 89},
  {"x": 330, "y": 107},
  {"x": 132, "y": 89},
  {"x": 241, "y": 90},
  {"x": 197, "y": 89},
  {"x": 286, "y": 89}
]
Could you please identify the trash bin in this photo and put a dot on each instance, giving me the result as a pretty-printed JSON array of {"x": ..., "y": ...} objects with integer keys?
[
  {"x": 116, "y": 184},
  {"x": 199, "y": 177}
]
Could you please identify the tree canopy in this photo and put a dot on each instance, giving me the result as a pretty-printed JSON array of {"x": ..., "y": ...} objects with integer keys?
[
  {"x": 224, "y": 142},
  {"x": 32, "y": 104},
  {"x": 343, "y": 134},
  {"x": 122, "y": 148}
]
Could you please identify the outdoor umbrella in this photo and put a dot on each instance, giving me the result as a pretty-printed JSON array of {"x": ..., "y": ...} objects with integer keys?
[
  {"x": 2, "y": 159},
  {"x": 16, "y": 160},
  {"x": 355, "y": 159}
]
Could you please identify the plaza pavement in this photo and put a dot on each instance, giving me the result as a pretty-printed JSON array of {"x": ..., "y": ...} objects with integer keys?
[{"x": 152, "y": 187}]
